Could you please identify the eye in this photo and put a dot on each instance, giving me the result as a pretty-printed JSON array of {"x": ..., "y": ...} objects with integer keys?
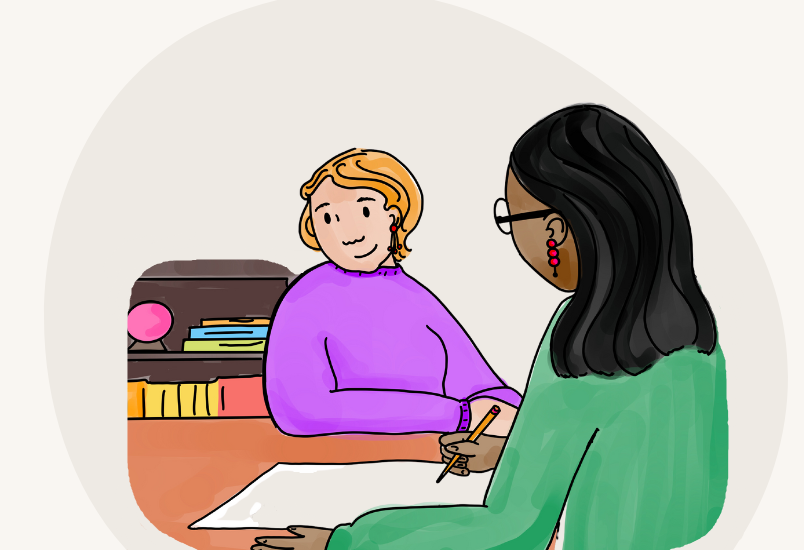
[
  {"x": 366, "y": 211},
  {"x": 327, "y": 217}
]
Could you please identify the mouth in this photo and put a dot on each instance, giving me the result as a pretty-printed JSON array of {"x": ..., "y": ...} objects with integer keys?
[
  {"x": 370, "y": 253},
  {"x": 360, "y": 240}
]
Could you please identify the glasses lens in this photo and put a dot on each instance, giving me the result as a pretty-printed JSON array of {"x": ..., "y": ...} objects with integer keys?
[{"x": 501, "y": 211}]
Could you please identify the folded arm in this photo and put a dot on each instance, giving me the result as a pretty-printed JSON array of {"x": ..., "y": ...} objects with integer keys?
[
  {"x": 304, "y": 398},
  {"x": 470, "y": 377}
]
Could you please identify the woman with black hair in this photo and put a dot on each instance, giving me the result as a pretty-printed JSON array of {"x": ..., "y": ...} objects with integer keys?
[{"x": 623, "y": 427}]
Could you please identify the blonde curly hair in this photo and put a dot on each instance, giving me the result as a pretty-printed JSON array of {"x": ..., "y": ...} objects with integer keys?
[{"x": 368, "y": 169}]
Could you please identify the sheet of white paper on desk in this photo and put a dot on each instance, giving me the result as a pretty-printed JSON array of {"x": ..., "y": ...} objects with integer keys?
[{"x": 326, "y": 495}]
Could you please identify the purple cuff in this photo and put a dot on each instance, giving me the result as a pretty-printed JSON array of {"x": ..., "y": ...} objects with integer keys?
[{"x": 466, "y": 416}]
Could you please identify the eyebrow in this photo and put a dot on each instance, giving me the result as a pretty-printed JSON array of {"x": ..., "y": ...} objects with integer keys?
[
  {"x": 322, "y": 205},
  {"x": 361, "y": 199}
]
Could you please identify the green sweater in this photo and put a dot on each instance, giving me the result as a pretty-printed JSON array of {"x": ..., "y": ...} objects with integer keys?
[{"x": 650, "y": 452}]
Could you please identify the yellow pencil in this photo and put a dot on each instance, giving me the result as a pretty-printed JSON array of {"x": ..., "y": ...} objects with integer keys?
[{"x": 491, "y": 415}]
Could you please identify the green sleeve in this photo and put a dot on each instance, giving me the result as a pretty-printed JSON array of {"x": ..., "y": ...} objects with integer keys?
[
  {"x": 526, "y": 494},
  {"x": 524, "y": 501}
]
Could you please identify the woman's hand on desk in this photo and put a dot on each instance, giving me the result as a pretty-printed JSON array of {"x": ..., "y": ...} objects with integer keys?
[
  {"x": 480, "y": 455},
  {"x": 307, "y": 538}
]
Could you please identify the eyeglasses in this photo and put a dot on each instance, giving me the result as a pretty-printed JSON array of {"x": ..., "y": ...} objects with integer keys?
[{"x": 503, "y": 217}]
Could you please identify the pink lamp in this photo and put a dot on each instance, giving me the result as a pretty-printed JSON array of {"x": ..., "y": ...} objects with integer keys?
[{"x": 148, "y": 323}]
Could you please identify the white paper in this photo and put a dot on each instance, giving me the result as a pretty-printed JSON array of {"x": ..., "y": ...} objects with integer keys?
[{"x": 326, "y": 495}]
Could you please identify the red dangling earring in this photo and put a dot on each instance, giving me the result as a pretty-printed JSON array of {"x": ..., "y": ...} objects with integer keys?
[
  {"x": 394, "y": 240},
  {"x": 552, "y": 255}
]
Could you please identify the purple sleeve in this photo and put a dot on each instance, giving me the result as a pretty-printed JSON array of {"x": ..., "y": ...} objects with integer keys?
[
  {"x": 303, "y": 397},
  {"x": 469, "y": 377}
]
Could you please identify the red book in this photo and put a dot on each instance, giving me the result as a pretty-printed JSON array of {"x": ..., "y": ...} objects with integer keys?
[{"x": 241, "y": 397}]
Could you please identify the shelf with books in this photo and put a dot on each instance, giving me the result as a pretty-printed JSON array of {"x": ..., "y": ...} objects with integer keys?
[{"x": 208, "y": 359}]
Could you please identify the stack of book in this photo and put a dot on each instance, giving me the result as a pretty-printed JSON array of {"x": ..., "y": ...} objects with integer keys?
[
  {"x": 243, "y": 334},
  {"x": 225, "y": 397}
]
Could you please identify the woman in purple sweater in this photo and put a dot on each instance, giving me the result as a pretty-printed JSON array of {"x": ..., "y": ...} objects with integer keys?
[{"x": 357, "y": 345}]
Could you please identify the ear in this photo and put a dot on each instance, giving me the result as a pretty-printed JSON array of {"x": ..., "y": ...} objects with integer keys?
[
  {"x": 395, "y": 214},
  {"x": 308, "y": 226},
  {"x": 557, "y": 229}
]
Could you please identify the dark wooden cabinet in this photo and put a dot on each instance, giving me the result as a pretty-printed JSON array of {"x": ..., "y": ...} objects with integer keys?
[{"x": 204, "y": 289}]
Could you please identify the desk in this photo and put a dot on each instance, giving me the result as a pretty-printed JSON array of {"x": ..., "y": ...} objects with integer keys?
[{"x": 182, "y": 469}]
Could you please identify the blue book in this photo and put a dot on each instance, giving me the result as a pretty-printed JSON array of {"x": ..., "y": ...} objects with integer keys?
[{"x": 228, "y": 332}]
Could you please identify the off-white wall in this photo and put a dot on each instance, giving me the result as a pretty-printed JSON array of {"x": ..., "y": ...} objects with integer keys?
[{"x": 425, "y": 268}]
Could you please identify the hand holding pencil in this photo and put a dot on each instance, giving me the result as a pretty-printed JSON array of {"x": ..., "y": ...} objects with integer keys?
[{"x": 457, "y": 449}]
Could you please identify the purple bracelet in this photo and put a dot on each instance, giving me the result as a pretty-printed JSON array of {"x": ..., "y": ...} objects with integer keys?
[{"x": 466, "y": 416}]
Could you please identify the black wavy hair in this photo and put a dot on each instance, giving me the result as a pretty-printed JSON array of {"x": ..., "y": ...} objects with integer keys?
[{"x": 637, "y": 297}]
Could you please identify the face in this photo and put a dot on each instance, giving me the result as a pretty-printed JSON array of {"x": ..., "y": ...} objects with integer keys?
[
  {"x": 352, "y": 226},
  {"x": 531, "y": 238}
]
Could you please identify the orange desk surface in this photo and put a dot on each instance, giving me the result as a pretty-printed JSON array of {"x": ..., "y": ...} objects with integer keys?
[{"x": 182, "y": 469}]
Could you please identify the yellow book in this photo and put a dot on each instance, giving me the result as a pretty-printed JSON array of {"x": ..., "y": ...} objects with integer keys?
[
  {"x": 136, "y": 399},
  {"x": 198, "y": 400},
  {"x": 162, "y": 401},
  {"x": 212, "y": 397},
  {"x": 189, "y": 400},
  {"x": 238, "y": 321}
]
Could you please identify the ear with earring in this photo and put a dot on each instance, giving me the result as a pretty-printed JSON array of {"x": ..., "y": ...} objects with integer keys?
[
  {"x": 552, "y": 255},
  {"x": 552, "y": 245},
  {"x": 395, "y": 246}
]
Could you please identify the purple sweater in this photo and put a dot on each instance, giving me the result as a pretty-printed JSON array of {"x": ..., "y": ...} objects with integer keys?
[{"x": 372, "y": 352}]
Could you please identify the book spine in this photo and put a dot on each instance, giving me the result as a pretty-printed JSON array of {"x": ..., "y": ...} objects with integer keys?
[
  {"x": 230, "y": 332},
  {"x": 242, "y": 397},
  {"x": 223, "y": 345},
  {"x": 212, "y": 393},
  {"x": 136, "y": 399},
  {"x": 162, "y": 401},
  {"x": 194, "y": 402}
]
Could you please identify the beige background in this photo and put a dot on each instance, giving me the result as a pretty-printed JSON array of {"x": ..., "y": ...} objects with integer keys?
[{"x": 220, "y": 130}]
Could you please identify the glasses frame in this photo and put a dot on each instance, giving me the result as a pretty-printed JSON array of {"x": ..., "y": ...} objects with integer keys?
[{"x": 519, "y": 217}]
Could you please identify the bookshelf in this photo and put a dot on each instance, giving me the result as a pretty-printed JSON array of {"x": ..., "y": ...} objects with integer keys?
[{"x": 196, "y": 290}]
